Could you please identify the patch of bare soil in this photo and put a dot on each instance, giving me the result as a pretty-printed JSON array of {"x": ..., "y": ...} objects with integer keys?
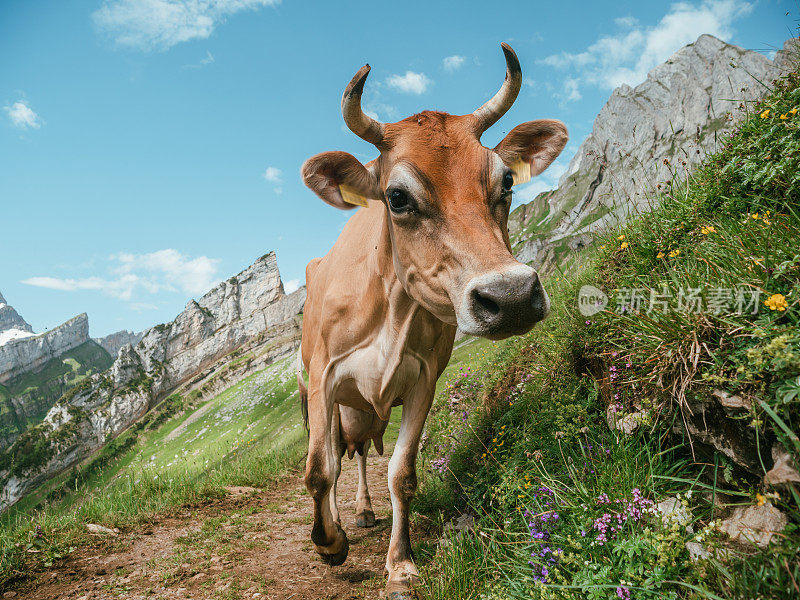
[{"x": 250, "y": 544}]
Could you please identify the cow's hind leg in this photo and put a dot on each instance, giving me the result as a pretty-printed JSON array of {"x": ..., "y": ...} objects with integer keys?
[
  {"x": 326, "y": 534},
  {"x": 403, "y": 575},
  {"x": 365, "y": 517}
]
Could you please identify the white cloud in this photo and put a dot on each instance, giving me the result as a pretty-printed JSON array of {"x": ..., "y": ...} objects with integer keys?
[
  {"x": 195, "y": 276},
  {"x": 410, "y": 83},
  {"x": 161, "y": 24},
  {"x": 22, "y": 116},
  {"x": 453, "y": 63},
  {"x": 627, "y": 57},
  {"x": 291, "y": 286},
  {"x": 571, "y": 90},
  {"x": 626, "y": 21},
  {"x": 272, "y": 174},
  {"x": 207, "y": 60},
  {"x": 164, "y": 270}
]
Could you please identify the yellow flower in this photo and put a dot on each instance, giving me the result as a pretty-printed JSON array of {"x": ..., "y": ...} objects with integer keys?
[
  {"x": 660, "y": 255},
  {"x": 622, "y": 237},
  {"x": 793, "y": 111},
  {"x": 761, "y": 500},
  {"x": 708, "y": 229},
  {"x": 784, "y": 117},
  {"x": 765, "y": 114},
  {"x": 603, "y": 247},
  {"x": 755, "y": 216},
  {"x": 623, "y": 245},
  {"x": 674, "y": 253},
  {"x": 776, "y": 302}
]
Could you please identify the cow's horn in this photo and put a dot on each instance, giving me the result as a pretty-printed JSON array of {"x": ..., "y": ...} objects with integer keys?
[
  {"x": 359, "y": 123},
  {"x": 488, "y": 114}
]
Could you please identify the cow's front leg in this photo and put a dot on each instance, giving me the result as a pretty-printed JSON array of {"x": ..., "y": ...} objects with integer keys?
[
  {"x": 338, "y": 452},
  {"x": 365, "y": 517},
  {"x": 403, "y": 575},
  {"x": 327, "y": 535}
]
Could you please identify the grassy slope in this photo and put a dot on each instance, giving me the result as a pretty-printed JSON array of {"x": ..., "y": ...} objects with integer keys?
[
  {"x": 39, "y": 390},
  {"x": 564, "y": 507},
  {"x": 182, "y": 451}
]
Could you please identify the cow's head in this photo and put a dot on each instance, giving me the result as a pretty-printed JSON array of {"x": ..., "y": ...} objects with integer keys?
[{"x": 447, "y": 201}]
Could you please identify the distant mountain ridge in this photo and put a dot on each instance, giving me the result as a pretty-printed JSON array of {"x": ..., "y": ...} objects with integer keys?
[
  {"x": 642, "y": 139},
  {"x": 114, "y": 342},
  {"x": 242, "y": 324},
  {"x": 12, "y": 325}
]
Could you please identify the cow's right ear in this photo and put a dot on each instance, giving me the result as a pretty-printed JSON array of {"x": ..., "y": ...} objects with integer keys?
[{"x": 340, "y": 180}]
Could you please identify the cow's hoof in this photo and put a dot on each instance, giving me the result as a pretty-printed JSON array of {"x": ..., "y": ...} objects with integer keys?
[
  {"x": 396, "y": 590},
  {"x": 337, "y": 559},
  {"x": 366, "y": 519}
]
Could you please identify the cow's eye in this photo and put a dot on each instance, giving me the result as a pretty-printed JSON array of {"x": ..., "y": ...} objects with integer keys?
[
  {"x": 399, "y": 201},
  {"x": 508, "y": 181}
]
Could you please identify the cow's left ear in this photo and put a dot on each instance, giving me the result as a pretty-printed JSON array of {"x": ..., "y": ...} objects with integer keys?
[{"x": 530, "y": 148}]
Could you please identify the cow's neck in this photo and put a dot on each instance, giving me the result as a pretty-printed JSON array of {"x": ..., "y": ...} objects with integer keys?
[{"x": 412, "y": 329}]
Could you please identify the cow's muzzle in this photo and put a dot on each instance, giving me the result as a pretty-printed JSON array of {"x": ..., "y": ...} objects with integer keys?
[{"x": 501, "y": 304}]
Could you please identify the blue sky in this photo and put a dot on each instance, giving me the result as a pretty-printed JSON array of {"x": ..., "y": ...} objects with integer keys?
[{"x": 150, "y": 148}]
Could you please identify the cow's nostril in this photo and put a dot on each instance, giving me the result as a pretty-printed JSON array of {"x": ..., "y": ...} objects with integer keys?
[{"x": 486, "y": 303}]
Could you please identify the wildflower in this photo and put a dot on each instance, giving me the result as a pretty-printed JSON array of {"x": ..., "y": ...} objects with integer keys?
[
  {"x": 793, "y": 111},
  {"x": 708, "y": 229},
  {"x": 623, "y": 245},
  {"x": 764, "y": 114},
  {"x": 622, "y": 237},
  {"x": 660, "y": 255},
  {"x": 674, "y": 253},
  {"x": 755, "y": 216},
  {"x": 776, "y": 302},
  {"x": 784, "y": 117},
  {"x": 761, "y": 500}
]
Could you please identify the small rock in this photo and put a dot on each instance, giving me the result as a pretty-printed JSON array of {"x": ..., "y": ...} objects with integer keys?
[
  {"x": 674, "y": 512},
  {"x": 697, "y": 551},
  {"x": 783, "y": 471},
  {"x": 755, "y": 524},
  {"x": 619, "y": 421},
  {"x": 100, "y": 529},
  {"x": 462, "y": 524},
  {"x": 732, "y": 401}
]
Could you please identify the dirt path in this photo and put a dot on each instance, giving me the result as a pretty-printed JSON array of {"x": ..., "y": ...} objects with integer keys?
[{"x": 249, "y": 544}]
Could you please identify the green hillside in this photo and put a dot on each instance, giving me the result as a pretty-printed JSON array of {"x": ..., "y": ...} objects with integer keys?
[
  {"x": 565, "y": 507},
  {"x": 25, "y": 400}
]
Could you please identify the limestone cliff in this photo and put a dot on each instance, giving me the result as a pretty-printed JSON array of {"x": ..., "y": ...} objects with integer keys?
[
  {"x": 643, "y": 139},
  {"x": 249, "y": 312},
  {"x": 30, "y": 353}
]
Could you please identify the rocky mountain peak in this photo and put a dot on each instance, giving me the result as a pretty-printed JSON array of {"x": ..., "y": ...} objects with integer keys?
[{"x": 643, "y": 138}]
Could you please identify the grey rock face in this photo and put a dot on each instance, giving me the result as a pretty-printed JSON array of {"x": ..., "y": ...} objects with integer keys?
[
  {"x": 643, "y": 138},
  {"x": 249, "y": 311},
  {"x": 755, "y": 525},
  {"x": 27, "y": 354},
  {"x": 113, "y": 342}
]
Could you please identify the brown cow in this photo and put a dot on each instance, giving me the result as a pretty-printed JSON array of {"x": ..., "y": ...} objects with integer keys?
[{"x": 429, "y": 253}]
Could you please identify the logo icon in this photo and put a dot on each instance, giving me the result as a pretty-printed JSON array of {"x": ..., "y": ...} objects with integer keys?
[{"x": 591, "y": 300}]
